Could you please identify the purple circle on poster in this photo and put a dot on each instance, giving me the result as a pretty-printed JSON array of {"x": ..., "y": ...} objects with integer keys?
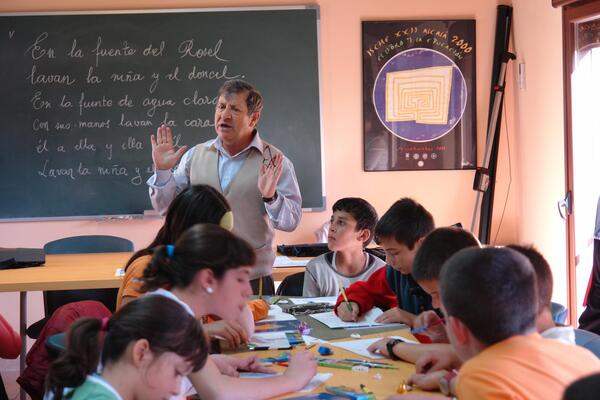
[{"x": 420, "y": 95}]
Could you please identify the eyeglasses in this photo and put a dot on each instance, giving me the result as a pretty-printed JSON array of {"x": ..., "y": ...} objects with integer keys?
[{"x": 268, "y": 157}]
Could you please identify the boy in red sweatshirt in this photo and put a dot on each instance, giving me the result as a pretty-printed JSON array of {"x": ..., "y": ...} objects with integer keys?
[{"x": 400, "y": 232}]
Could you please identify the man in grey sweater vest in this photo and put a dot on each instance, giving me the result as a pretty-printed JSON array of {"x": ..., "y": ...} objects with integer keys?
[{"x": 258, "y": 181}]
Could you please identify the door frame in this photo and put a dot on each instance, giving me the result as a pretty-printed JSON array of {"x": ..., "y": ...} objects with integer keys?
[{"x": 572, "y": 14}]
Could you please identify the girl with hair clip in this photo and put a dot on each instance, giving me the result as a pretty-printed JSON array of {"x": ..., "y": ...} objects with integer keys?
[
  {"x": 149, "y": 345},
  {"x": 208, "y": 271},
  {"x": 196, "y": 204}
]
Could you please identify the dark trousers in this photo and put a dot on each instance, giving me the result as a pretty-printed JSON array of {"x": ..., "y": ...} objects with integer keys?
[
  {"x": 268, "y": 286},
  {"x": 590, "y": 319}
]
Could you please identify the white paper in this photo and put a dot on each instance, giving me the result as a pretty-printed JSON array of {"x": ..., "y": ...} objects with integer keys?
[
  {"x": 360, "y": 346},
  {"x": 284, "y": 261},
  {"x": 120, "y": 272},
  {"x": 276, "y": 314},
  {"x": 306, "y": 300},
  {"x": 365, "y": 321},
  {"x": 274, "y": 340},
  {"x": 315, "y": 382}
]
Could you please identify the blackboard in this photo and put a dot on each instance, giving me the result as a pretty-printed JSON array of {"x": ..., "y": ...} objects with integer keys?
[{"x": 81, "y": 94}]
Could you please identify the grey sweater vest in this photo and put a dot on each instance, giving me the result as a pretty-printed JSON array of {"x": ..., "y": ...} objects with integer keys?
[{"x": 250, "y": 219}]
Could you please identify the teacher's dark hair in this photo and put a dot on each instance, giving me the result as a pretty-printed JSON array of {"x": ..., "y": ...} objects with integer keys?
[
  {"x": 164, "y": 323},
  {"x": 492, "y": 291},
  {"x": 202, "y": 246},
  {"x": 197, "y": 204},
  {"x": 254, "y": 101}
]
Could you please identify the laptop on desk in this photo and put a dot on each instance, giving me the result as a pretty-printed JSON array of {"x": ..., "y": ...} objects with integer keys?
[{"x": 11, "y": 258}]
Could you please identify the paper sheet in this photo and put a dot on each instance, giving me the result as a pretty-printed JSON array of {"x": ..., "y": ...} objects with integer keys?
[
  {"x": 285, "y": 261},
  {"x": 315, "y": 382},
  {"x": 367, "y": 320},
  {"x": 274, "y": 340},
  {"x": 305, "y": 300},
  {"x": 360, "y": 346},
  {"x": 276, "y": 314}
]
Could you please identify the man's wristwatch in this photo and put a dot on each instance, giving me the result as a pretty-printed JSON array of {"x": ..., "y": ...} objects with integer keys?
[
  {"x": 390, "y": 348},
  {"x": 270, "y": 199},
  {"x": 445, "y": 381}
]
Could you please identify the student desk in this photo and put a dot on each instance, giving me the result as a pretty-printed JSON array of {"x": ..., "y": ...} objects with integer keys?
[{"x": 75, "y": 271}]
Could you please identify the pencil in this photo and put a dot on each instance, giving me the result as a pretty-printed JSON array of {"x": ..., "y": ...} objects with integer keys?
[
  {"x": 423, "y": 328},
  {"x": 344, "y": 296},
  {"x": 260, "y": 287}
]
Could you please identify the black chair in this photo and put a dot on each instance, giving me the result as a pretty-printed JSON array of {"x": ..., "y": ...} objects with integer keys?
[
  {"x": 53, "y": 299},
  {"x": 291, "y": 285}
]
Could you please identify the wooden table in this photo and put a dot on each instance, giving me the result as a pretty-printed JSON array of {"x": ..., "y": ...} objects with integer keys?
[
  {"x": 382, "y": 388},
  {"x": 75, "y": 271}
]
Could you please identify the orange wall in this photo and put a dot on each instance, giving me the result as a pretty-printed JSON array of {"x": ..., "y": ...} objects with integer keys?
[
  {"x": 539, "y": 121},
  {"x": 530, "y": 115}
]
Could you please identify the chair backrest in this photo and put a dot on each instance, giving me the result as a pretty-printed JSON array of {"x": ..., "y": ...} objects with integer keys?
[
  {"x": 84, "y": 244},
  {"x": 291, "y": 285},
  {"x": 589, "y": 340},
  {"x": 559, "y": 313},
  {"x": 88, "y": 244}
]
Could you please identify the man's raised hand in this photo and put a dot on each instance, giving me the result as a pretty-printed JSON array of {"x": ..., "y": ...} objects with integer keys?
[{"x": 164, "y": 154}]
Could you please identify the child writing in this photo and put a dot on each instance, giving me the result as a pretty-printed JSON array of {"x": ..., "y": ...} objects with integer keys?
[
  {"x": 350, "y": 231},
  {"x": 207, "y": 271},
  {"x": 437, "y": 247},
  {"x": 400, "y": 232},
  {"x": 148, "y": 346}
]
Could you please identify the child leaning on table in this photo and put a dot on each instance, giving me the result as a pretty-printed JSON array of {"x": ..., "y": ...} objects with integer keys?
[
  {"x": 144, "y": 350},
  {"x": 437, "y": 247},
  {"x": 350, "y": 231},
  {"x": 400, "y": 232}
]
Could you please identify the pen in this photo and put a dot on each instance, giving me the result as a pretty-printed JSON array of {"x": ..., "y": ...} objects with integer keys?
[
  {"x": 423, "y": 328},
  {"x": 332, "y": 365},
  {"x": 344, "y": 296},
  {"x": 365, "y": 361}
]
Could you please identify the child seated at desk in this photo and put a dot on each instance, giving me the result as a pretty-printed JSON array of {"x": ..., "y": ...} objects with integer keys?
[
  {"x": 208, "y": 272},
  {"x": 490, "y": 305},
  {"x": 196, "y": 204},
  {"x": 400, "y": 232},
  {"x": 350, "y": 231},
  {"x": 437, "y": 247},
  {"x": 148, "y": 346}
]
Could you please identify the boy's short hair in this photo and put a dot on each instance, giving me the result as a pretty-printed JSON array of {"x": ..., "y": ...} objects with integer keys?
[
  {"x": 406, "y": 221},
  {"x": 361, "y": 210},
  {"x": 492, "y": 291},
  {"x": 543, "y": 274},
  {"x": 436, "y": 248}
]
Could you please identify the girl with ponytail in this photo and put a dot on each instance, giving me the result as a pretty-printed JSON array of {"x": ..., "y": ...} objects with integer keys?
[
  {"x": 208, "y": 271},
  {"x": 144, "y": 349},
  {"x": 196, "y": 204}
]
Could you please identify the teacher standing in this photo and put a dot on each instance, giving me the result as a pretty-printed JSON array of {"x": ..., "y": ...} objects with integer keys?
[{"x": 258, "y": 181}]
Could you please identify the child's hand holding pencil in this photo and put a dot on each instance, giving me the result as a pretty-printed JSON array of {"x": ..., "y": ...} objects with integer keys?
[{"x": 348, "y": 311}]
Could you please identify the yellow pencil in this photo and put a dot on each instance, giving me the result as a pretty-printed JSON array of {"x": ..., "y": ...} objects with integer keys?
[
  {"x": 344, "y": 296},
  {"x": 260, "y": 288}
]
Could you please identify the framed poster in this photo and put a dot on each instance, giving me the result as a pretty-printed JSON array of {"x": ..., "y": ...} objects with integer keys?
[{"x": 419, "y": 95}]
